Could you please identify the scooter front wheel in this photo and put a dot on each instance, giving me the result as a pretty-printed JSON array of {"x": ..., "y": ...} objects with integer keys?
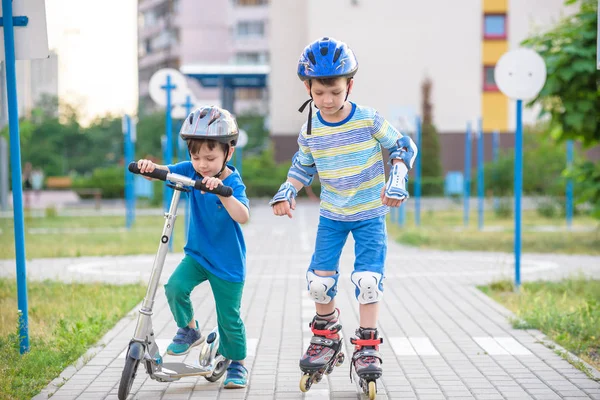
[
  {"x": 220, "y": 368},
  {"x": 127, "y": 377}
]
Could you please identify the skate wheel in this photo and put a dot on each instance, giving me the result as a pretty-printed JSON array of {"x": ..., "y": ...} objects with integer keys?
[
  {"x": 340, "y": 359},
  {"x": 372, "y": 390},
  {"x": 305, "y": 383}
]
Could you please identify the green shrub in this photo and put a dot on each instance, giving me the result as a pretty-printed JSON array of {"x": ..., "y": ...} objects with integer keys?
[
  {"x": 111, "y": 180},
  {"x": 504, "y": 209}
]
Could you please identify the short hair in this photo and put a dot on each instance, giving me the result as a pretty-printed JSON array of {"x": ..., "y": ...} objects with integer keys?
[
  {"x": 331, "y": 81},
  {"x": 194, "y": 145}
]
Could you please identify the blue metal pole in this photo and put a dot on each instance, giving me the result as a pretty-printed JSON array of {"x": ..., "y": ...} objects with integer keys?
[
  {"x": 518, "y": 190},
  {"x": 480, "y": 188},
  {"x": 495, "y": 151},
  {"x": 418, "y": 172},
  {"x": 402, "y": 215},
  {"x": 186, "y": 224},
  {"x": 129, "y": 178},
  {"x": 569, "y": 191},
  {"x": 467, "y": 188},
  {"x": 15, "y": 163},
  {"x": 168, "y": 151}
]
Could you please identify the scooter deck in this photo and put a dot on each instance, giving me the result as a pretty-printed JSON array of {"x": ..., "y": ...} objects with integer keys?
[{"x": 180, "y": 370}]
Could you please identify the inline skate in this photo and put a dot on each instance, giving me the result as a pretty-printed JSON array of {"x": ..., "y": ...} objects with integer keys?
[
  {"x": 366, "y": 360},
  {"x": 324, "y": 352}
]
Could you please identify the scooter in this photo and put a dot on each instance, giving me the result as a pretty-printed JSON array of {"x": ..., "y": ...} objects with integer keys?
[{"x": 142, "y": 347}]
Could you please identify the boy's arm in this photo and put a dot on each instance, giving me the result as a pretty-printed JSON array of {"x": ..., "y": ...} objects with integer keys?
[
  {"x": 403, "y": 152},
  {"x": 236, "y": 209},
  {"x": 401, "y": 148},
  {"x": 300, "y": 174}
]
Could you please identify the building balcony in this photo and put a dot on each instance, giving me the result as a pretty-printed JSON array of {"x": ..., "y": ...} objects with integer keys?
[
  {"x": 158, "y": 57},
  {"x": 145, "y": 5}
]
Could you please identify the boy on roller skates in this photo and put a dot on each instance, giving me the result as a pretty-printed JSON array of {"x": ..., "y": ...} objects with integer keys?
[{"x": 343, "y": 143}]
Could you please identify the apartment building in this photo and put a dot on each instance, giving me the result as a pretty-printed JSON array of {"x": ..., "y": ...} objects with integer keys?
[
  {"x": 398, "y": 44},
  {"x": 176, "y": 33},
  {"x": 35, "y": 78}
]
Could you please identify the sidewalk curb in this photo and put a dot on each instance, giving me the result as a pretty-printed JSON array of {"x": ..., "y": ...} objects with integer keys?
[{"x": 72, "y": 369}]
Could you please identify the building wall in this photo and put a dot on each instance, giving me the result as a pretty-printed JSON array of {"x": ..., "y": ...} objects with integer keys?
[
  {"x": 35, "y": 78},
  {"x": 435, "y": 38},
  {"x": 207, "y": 32}
]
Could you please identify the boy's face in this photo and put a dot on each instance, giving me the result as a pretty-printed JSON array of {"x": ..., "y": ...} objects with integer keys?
[
  {"x": 330, "y": 98},
  {"x": 208, "y": 162}
]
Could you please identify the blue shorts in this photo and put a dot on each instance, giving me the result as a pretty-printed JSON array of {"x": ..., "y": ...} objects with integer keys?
[{"x": 370, "y": 237}]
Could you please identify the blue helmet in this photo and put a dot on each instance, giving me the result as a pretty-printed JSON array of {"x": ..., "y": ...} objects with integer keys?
[{"x": 327, "y": 58}]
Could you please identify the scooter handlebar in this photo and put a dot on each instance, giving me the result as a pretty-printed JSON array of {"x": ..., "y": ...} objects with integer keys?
[{"x": 163, "y": 175}]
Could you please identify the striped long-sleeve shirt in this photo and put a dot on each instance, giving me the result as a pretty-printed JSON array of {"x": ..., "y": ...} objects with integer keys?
[{"x": 349, "y": 161}]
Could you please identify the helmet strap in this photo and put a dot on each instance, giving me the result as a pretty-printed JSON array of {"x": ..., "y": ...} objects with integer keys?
[{"x": 301, "y": 109}]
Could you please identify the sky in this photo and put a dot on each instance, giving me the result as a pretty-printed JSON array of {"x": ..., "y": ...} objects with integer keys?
[{"x": 96, "y": 42}]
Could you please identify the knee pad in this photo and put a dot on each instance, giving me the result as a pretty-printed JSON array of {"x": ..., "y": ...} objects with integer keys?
[
  {"x": 321, "y": 289},
  {"x": 369, "y": 286}
]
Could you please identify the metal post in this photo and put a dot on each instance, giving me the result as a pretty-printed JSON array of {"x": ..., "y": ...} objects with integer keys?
[
  {"x": 495, "y": 152},
  {"x": 467, "y": 187},
  {"x": 418, "y": 172},
  {"x": 402, "y": 215},
  {"x": 168, "y": 149},
  {"x": 186, "y": 221},
  {"x": 569, "y": 189},
  {"x": 518, "y": 190},
  {"x": 15, "y": 162},
  {"x": 129, "y": 178},
  {"x": 480, "y": 188},
  {"x": 3, "y": 173}
]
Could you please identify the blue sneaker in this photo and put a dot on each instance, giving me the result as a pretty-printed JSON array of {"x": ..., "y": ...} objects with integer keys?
[
  {"x": 184, "y": 340},
  {"x": 237, "y": 376}
]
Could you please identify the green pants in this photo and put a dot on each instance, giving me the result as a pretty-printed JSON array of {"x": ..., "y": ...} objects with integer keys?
[{"x": 228, "y": 298}]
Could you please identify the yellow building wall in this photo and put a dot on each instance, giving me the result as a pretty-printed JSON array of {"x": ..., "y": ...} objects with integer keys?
[
  {"x": 495, "y": 111},
  {"x": 494, "y": 105},
  {"x": 495, "y": 6},
  {"x": 493, "y": 50}
]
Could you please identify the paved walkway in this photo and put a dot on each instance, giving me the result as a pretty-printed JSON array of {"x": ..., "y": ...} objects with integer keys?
[{"x": 443, "y": 338}]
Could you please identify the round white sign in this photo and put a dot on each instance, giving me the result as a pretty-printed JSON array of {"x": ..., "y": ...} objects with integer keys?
[
  {"x": 242, "y": 139},
  {"x": 159, "y": 80},
  {"x": 520, "y": 74}
]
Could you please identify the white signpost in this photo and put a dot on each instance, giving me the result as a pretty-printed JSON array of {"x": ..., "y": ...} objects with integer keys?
[
  {"x": 24, "y": 36},
  {"x": 520, "y": 74}
]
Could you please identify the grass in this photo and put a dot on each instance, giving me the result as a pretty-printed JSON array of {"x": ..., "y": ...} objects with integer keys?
[
  {"x": 64, "y": 321},
  {"x": 567, "y": 311},
  {"x": 445, "y": 230},
  {"x": 106, "y": 236}
]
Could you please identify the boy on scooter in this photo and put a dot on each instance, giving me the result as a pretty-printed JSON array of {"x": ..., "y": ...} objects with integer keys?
[{"x": 215, "y": 250}]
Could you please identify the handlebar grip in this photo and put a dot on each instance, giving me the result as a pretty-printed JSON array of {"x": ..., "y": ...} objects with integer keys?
[
  {"x": 156, "y": 174},
  {"x": 221, "y": 190}
]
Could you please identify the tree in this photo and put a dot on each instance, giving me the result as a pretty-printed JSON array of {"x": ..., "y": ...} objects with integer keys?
[
  {"x": 571, "y": 95},
  {"x": 430, "y": 145}
]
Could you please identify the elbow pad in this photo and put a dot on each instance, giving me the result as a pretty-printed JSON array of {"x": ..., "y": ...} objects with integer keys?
[
  {"x": 406, "y": 151},
  {"x": 302, "y": 173}
]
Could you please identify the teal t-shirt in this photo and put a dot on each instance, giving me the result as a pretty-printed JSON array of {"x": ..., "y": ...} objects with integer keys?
[{"x": 214, "y": 239}]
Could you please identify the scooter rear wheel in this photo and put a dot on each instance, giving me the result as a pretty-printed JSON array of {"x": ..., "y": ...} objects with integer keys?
[{"x": 127, "y": 377}]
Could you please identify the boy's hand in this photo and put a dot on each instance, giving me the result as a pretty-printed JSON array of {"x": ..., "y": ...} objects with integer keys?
[
  {"x": 211, "y": 183},
  {"x": 284, "y": 208},
  {"x": 146, "y": 166},
  {"x": 390, "y": 202},
  {"x": 284, "y": 200}
]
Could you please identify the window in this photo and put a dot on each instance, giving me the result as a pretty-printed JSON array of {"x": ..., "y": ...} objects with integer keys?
[
  {"x": 251, "y": 58},
  {"x": 251, "y": 28},
  {"x": 249, "y": 93},
  {"x": 489, "y": 83},
  {"x": 250, "y": 2},
  {"x": 494, "y": 26}
]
